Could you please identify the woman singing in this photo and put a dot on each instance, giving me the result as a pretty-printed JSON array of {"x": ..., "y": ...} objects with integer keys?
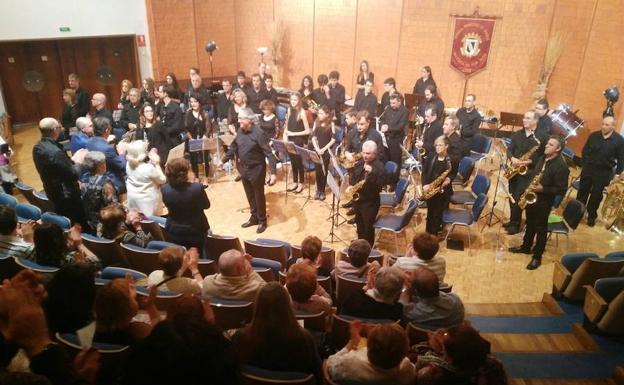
[
  {"x": 297, "y": 131},
  {"x": 323, "y": 138},
  {"x": 197, "y": 126},
  {"x": 434, "y": 167},
  {"x": 364, "y": 75}
]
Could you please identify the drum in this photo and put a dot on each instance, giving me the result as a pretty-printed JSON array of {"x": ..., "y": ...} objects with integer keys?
[{"x": 565, "y": 121}]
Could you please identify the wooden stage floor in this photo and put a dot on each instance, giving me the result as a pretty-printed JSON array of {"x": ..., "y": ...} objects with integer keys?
[{"x": 475, "y": 276}]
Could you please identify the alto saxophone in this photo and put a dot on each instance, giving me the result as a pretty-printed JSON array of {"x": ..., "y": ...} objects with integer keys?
[
  {"x": 435, "y": 187},
  {"x": 346, "y": 163},
  {"x": 529, "y": 196},
  {"x": 522, "y": 169},
  {"x": 353, "y": 194}
]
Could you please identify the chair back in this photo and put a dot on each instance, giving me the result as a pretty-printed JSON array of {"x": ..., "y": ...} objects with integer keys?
[
  {"x": 417, "y": 334},
  {"x": 345, "y": 287},
  {"x": 164, "y": 299},
  {"x": 8, "y": 200},
  {"x": 478, "y": 206},
  {"x": 587, "y": 274},
  {"x": 611, "y": 321},
  {"x": 149, "y": 226},
  {"x": 34, "y": 266},
  {"x": 231, "y": 314},
  {"x": 206, "y": 267},
  {"x": 573, "y": 213},
  {"x": 390, "y": 168},
  {"x": 159, "y": 245},
  {"x": 27, "y": 191},
  {"x": 27, "y": 212},
  {"x": 141, "y": 259},
  {"x": 42, "y": 201},
  {"x": 328, "y": 256},
  {"x": 218, "y": 244},
  {"x": 375, "y": 255},
  {"x": 572, "y": 261},
  {"x": 407, "y": 216},
  {"x": 557, "y": 201},
  {"x": 315, "y": 322},
  {"x": 112, "y": 272},
  {"x": 481, "y": 144},
  {"x": 399, "y": 190},
  {"x": 341, "y": 325},
  {"x": 609, "y": 287},
  {"x": 465, "y": 168},
  {"x": 60, "y": 220},
  {"x": 480, "y": 184},
  {"x": 266, "y": 273},
  {"x": 107, "y": 250},
  {"x": 273, "y": 252},
  {"x": 325, "y": 283},
  {"x": 257, "y": 376}
]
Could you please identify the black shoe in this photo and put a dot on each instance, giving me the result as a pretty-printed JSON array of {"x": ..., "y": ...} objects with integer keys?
[
  {"x": 347, "y": 205},
  {"x": 513, "y": 230},
  {"x": 520, "y": 249},
  {"x": 351, "y": 212},
  {"x": 534, "y": 264},
  {"x": 351, "y": 221},
  {"x": 317, "y": 196},
  {"x": 250, "y": 222},
  {"x": 322, "y": 196},
  {"x": 591, "y": 222},
  {"x": 238, "y": 178},
  {"x": 261, "y": 227}
]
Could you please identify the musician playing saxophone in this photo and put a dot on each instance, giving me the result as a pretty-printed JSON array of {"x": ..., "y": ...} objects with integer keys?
[
  {"x": 370, "y": 169},
  {"x": 361, "y": 134},
  {"x": 553, "y": 180},
  {"x": 435, "y": 165},
  {"x": 522, "y": 142}
]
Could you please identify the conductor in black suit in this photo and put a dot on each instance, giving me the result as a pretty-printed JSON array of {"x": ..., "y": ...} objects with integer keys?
[{"x": 251, "y": 146}]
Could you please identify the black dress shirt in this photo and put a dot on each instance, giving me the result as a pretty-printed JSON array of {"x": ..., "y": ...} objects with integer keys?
[
  {"x": 203, "y": 94},
  {"x": 375, "y": 180},
  {"x": 82, "y": 101},
  {"x": 430, "y": 134},
  {"x": 356, "y": 141},
  {"x": 252, "y": 148},
  {"x": 396, "y": 121},
  {"x": 385, "y": 100},
  {"x": 69, "y": 116},
  {"x": 223, "y": 105},
  {"x": 544, "y": 126},
  {"x": 469, "y": 121},
  {"x": 457, "y": 148},
  {"x": 129, "y": 114},
  {"x": 366, "y": 103},
  {"x": 272, "y": 95},
  {"x": 436, "y": 102},
  {"x": 554, "y": 179},
  {"x": 319, "y": 97},
  {"x": 104, "y": 113},
  {"x": 604, "y": 154},
  {"x": 521, "y": 144},
  {"x": 172, "y": 122},
  {"x": 336, "y": 97},
  {"x": 255, "y": 97},
  {"x": 419, "y": 87}
]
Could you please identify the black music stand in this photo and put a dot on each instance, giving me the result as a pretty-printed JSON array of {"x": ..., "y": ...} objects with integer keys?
[
  {"x": 308, "y": 157},
  {"x": 201, "y": 145},
  {"x": 510, "y": 119},
  {"x": 281, "y": 148},
  {"x": 335, "y": 211}
]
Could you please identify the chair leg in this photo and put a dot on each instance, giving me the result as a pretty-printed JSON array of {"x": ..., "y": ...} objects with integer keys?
[
  {"x": 396, "y": 243},
  {"x": 469, "y": 242},
  {"x": 449, "y": 232}
]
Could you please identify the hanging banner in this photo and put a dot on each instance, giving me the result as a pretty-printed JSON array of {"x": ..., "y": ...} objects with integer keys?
[{"x": 471, "y": 44}]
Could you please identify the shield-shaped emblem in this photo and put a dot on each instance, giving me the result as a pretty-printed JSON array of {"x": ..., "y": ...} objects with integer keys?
[{"x": 471, "y": 45}]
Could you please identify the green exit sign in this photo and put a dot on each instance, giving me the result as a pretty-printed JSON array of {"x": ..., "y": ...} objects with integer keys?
[{"x": 64, "y": 29}]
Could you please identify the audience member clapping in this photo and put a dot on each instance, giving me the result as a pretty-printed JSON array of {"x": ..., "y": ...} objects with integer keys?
[
  {"x": 123, "y": 227},
  {"x": 144, "y": 177},
  {"x": 235, "y": 280},
  {"x": 357, "y": 265},
  {"x": 97, "y": 188},
  {"x": 15, "y": 242},
  {"x": 379, "y": 299},
  {"x": 306, "y": 294},
  {"x": 115, "y": 162},
  {"x": 80, "y": 138},
  {"x": 53, "y": 248},
  {"x": 423, "y": 252},
  {"x": 173, "y": 263}
]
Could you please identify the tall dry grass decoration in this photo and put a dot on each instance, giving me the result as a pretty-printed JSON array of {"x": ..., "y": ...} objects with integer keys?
[
  {"x": 277, "y": 31},
  {"x": 554, "y": 48}
]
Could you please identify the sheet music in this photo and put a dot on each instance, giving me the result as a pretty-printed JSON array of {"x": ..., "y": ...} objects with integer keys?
[{"x": 333, "y": 186}]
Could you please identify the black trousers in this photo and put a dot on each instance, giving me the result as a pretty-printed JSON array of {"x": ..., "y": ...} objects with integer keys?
[
  {"x": 254, "y": 190},
  {"x": 395, "y": 154},
  {"x": 592, "y": 183},
  {"x": 537, "y": 226},
  {"x": 321, "y": 177},
  {"x": 72, "y": 209},
  {"x": 297, "y": 168},
  {"x": 517, "y": 187},
  {"x": 365, "y": 215},
  {"x": 435, "y": 207},
  {"x": 196, "y": 161}
]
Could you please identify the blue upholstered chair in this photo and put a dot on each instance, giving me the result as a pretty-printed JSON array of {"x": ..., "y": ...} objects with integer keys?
[
  {"x": 464, "y": 217},
  {"x": 26, "y": 212},
  {"x": 572, "y": 215},
  {"x": 8, "y": 200},
  {"x": 579, "y": 269},
  {"x": 604, "y": 305},
  {"x": 396, "y": 223},
  {"x": 393, "y": 200},
  {"x": 464, "y": 170},
  {"x": 480, "y": 185},
  {"x": 59, "y": 220}
]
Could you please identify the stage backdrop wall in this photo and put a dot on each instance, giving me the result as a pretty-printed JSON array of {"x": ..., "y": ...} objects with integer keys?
[{"x": 397, "y": 37}]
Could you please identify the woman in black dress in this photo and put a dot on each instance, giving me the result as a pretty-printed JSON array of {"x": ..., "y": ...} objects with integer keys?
[
  {"x": 323, "y": 138},
  {"x": 126, "y": 86},
  {"x": 297, "y": 131},
  {"x": 425, "y": 80},
  {"x": 197, "y": 126},
  {"x": 364, "y": 75},
  {"x": 147, "y": 92}
]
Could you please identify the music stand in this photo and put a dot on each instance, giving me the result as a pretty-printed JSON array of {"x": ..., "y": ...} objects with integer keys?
[
  {"x": 281, "y": 148},
  {"x": 413, "y": 100},
  {"x": 308, "y": 157},
  {"x": 203, "y": 145},
  {"x": 510, "y": 119}
]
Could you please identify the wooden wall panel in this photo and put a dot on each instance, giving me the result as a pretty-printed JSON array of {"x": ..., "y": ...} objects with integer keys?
[
  {"x": 216, "y": 20},
  {"x": 253, "y": 21}
]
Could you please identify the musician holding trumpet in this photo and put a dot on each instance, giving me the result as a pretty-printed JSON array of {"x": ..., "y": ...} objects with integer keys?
[
  {"x": 438, "y": 172},
  {"x": 549, "y": 179}
]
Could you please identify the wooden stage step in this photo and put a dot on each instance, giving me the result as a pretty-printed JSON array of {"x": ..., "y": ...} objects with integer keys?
[
  {"x": 576, "y": 341},
  {"x": 547, "y": 307}
]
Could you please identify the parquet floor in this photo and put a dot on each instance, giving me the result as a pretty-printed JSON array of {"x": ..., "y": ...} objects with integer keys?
[{"x": 475, "y": 276}]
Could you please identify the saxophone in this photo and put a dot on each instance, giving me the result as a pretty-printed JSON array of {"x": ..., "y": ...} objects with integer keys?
[
  {"x": 435, "y": 187},
  {"x": 310, "y": 102},
  {"x": 522, "y": 169},
  {"x": 529, "y": 196},
  {"x": 353, "y": 195},
  {"x": 346, "y": 163}
]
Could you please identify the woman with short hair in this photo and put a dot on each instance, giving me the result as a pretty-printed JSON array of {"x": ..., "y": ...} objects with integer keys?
[{"x": 143, "y": 178}]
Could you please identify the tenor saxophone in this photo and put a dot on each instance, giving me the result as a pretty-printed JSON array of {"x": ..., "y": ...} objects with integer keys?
[
  {"x": 353, "y": 194},
  {"x": 529, "y": 196},
  {"x": 435, "y": 187},
  {"x": 522, "y": 169}
]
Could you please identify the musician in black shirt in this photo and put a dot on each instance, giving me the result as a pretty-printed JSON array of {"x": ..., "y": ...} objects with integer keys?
[
  {"x": 270, "y": 90},
  {"x": 389, "y": 88},
  {"x": 469, "y": 119},
  {"x": 521, "y": 143},
  {"x": 432, "y": 129},
  {"x": 251, "y": 146},
  {"x": 241, "y": 81},
  {"x": 363, "y": 75},
  {"x": 393, "y": 123},
  {"x": 197, "y": 88},
  {"x": 320, "y": 95},
  {"x": 602, "y": 154},
  {"x": 323, "y": 138},
  {"x": 171, "y": 119},
  {"x": 425, "y": 80},
  {"x": 431, "y": 99},
  {"x": 553, "y": 182},
  {"x": 335, "y": 94},
  {"x": 362, "y": 134},
  {"x": 365, "y": 100},
  {"x": 544, "y": 124},
  {"x": 434, "y": 166},
  {"x": 82, "y": 95},
  {"x": 370, "y": 169},
  {"x": 457, "y": 149},
  {"x": 224, "y": 100},
  {"x": 256, "y": 93}
]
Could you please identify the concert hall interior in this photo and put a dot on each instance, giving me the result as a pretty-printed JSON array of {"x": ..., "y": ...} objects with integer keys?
[{"x": 146, "y": 133}]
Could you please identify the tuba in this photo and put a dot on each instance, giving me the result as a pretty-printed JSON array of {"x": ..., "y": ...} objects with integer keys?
[
  {"x": 512, "y": 170},
  {"x": 612, "y": 210},
  {"x": 529, "y": 196},
  {"x": 436, "y": 185}
]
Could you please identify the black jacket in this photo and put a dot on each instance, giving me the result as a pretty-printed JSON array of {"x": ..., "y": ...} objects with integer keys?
[{"x": 57, "y": 172}]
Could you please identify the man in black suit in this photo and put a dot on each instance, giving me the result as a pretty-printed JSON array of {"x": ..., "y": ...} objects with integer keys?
[
  {"x": 457, "y": 147},
  {"x": 393, "y": 123},
  {"x": 251, "y": 146},
  {"x": 431, "y": 131}
]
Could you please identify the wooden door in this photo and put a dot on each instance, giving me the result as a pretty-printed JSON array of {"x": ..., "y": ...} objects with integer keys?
[{"x": 21, "y": 105}]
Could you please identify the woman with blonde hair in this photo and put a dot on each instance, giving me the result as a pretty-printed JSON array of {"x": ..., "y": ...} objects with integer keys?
[
  {"x": 147, "y": 91},
  {"x": 70, "y": 111},
  {"x": 144, "y": 177},
  {"x": 126, "y": 86}
]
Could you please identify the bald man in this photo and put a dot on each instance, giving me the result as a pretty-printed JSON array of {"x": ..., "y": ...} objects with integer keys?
[
  {"x": 370, "y": 169},
  {"x": 58, "y": 173},
  {"x": 424, "y": 303},
  {"x": 603, "y": 154},
  {"x": 85, "y": 131},
  {"x": 98, "y": 102},
  {"x": 236, "y": 278}
]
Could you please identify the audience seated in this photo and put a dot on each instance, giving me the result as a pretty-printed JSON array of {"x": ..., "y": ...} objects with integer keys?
[
  {"x": 235, "y": 279},
  {"x": 186, "y": 224},
  {"x": 144, "y": 177},
  {"x": 115, "y": 163},
  {"x": 96, "y": 187},
  {"x": 358, "y": 265},
  {"x": 174, "y": 262},
  {"x": 80, "y": 138},
  {"x": 457, "y": 355},
  {"x": 382, "y": 362},
  {"x": 426, "y": 306},
  {"x": 423, "y": 253},
  {"x": 15, "y": 242},
  {"x": 53, "y": 248},
  {"x": 311, "y": 254},
  {"x": 379, "y": 299},
  {"x": 306, "y": 294},
  {"x": 123, "y": 227},
  {"x": 274, "y": 340},
  {"x": 115, "y": 307}
]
